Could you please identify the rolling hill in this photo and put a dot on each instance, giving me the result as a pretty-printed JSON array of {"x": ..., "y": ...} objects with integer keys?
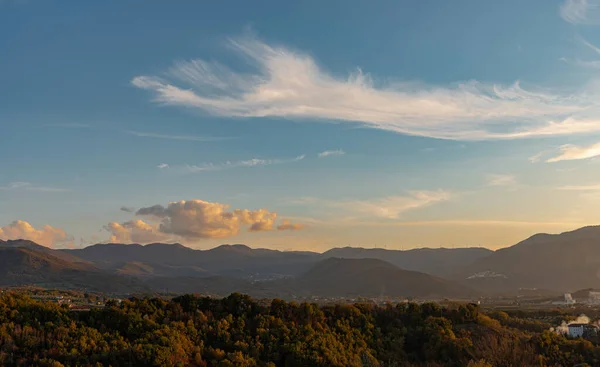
[
  {"x": 34, "y": 246},
  {"x": 176, "y": 260},
  {"x": 438, "y": 261},
  {"x": 175, "y": 268},
  {"x": 242, "y": 261},
  {"x": 335, "y": 277},
  {"x": 26, "y": 266},
  {"x": 562, "y": 262}
]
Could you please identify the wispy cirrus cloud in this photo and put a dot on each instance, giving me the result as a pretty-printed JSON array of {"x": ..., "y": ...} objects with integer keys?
[
  {"x": 254, "y": 162},
  {"x": 593, "y": 187},
  {"x": 569, "y": 152},
  {"x": 538, "y": 156},
  {"x": 581, "y": 11},
  {"x": 291, "y": 84},
  {"x": 74, "y": 125},
  {"x": 176, "y": 137},
  {"x": 591, "y": 46},
  {"x": 586, "y": 192},
  {"x": 389, "y": 207},
  {"x": 590, "y": 64},
  {"x": 501, "y": 180},
  {"x": 329, "y": 153},
  {"x": 27, "y": 186}
]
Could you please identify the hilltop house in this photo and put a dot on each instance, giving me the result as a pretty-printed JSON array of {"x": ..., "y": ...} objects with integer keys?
[{"x": 580, "y": 330}]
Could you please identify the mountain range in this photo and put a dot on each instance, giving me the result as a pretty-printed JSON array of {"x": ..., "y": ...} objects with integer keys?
[
  {"x": 25, "y": 266},
  {"x": 563, "y": 262}
]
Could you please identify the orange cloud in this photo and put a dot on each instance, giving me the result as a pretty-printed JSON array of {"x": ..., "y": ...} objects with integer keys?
[
  {"x": 197, "y": 219},
  {"x": 286, "y": 225},
  {"x": 136, "y": 231},
  {"x": 46, "y": 236}
]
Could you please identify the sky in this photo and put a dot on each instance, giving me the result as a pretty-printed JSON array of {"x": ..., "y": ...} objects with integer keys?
[{"x": 298, "y": 125}]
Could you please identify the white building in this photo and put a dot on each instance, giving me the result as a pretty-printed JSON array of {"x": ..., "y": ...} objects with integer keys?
[{"x": 578, "y": 330}]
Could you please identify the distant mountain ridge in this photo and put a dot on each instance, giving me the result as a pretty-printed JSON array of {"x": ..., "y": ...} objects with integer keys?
[
  {"x": 227, "y": 260},
  {"x": 34, "y": 246},
  {"x": 335, "y": 277},
  {"x": 563, "y": 262},
  {"x": 331, "y": 277},
  {"x": 435, "y": 261},
  {"x": 240, "y": 260},
  {"x": 26, "y": 266}
]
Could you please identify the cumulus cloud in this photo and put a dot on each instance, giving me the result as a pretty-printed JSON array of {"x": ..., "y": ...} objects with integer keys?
[
  {"x": 46, "y": 236},
  {"x": 329, "y": 153},
  {"x": 254, "y": 162},
  {"x": 571, "y": 152},
  {"x": 134, "y": 231},
  {"x": 581, "y": 11},
  {"x": 198, "y": 219},
  {"x": 286, "y": 225},
  {"x": 27, "y": 186},
  {"x": 162, "y": 166},
  {"x": 291, "y": 84},
  {"x": 501, "y": 180},
  {"x": 127, "y": 209}
]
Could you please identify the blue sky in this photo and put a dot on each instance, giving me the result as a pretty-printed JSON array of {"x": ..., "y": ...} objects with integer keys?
[{"x": 447, "y": 123}]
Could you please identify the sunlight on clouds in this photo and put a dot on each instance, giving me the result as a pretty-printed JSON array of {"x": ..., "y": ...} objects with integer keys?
[
  {"x": 286, "y": 225},
  {"x": 46, "y": 236},
  {"x": 291, "y": 84},
  {"x": 390, "y": 207},
  {"x": 193, "y": 220},
  {"x": 136, "y": 231},
  {"x": 570, "y": 152},
  {"x": 201, "y": 219}
]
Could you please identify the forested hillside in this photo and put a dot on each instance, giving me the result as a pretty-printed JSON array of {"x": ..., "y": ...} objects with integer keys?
[{"x": 239, "y": 331}]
